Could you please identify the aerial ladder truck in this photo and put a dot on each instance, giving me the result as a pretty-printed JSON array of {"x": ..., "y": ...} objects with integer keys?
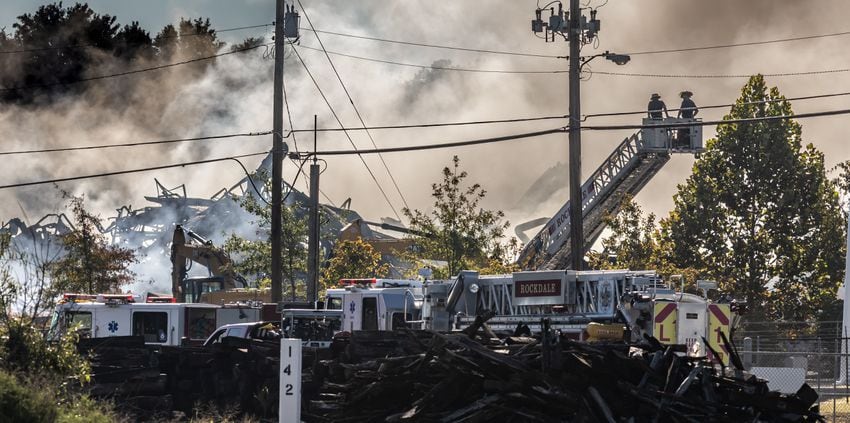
[{"x": 623, "y": 173}]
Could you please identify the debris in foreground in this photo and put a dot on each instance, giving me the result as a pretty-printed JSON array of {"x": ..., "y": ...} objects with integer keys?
[{"x": 428, "y": 376}]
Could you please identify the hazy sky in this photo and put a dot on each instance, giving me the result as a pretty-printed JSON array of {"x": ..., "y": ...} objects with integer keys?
[{"x": 388, "y": 94}]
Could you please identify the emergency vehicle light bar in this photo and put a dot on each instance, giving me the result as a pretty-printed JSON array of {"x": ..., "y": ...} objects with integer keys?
[
  {"x": 351, "y": 282},
  {"x": 156, "y": 298}
]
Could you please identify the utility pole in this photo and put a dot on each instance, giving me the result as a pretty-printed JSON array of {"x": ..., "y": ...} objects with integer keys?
[
  {"x": 576, "y": 226},
  {"x": 278, "y": 150},
  {"x": 577, "y": 30},
  {"x": 313, "y": 243},
  {"x": 285, "y": 26}
]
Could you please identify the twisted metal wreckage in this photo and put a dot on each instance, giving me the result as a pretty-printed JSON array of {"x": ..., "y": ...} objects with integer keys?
[{"x": 149, "y": 229}]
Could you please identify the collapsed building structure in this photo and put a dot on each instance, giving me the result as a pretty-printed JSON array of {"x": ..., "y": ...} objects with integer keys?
[{"x": 149, "y": 230}]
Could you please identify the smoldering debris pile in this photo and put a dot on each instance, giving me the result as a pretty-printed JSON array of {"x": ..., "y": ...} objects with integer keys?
[{"x": 427, "y": 376}]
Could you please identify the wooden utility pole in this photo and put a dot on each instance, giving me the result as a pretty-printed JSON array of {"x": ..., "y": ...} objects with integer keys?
[
  {"x": 279, "y": 149},
  {"x": 313, "y": 238},
  {"x": 576, "y": 227}
]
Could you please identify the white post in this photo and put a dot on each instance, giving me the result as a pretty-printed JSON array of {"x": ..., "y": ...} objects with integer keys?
[
  {"x": 845, "y": 320},
  {"x": 289, "y": 410}
]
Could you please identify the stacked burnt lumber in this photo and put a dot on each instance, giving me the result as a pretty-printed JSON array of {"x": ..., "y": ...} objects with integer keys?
[
  {"x": 428, "y": 376},
  {"x": 149, "y": 382},
  {"x": 124, "y": 369}
]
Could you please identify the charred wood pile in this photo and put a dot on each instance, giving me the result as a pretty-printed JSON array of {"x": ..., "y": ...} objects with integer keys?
[
  {"x": 152, "y": 382},
  {"x": 433, "y": 377}
]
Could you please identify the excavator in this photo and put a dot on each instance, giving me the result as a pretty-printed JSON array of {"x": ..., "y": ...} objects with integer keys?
[{"x": 188, "y": 248}]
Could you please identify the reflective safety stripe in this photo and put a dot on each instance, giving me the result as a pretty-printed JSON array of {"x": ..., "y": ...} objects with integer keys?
[
  {"x": 664, "y": 328},
  {"x": 718, "y": 322}
]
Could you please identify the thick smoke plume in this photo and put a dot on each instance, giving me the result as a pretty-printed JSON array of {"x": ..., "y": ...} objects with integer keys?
[{"x": 234, "y": 94}]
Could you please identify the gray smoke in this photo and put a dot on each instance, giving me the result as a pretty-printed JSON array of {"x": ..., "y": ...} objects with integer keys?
[{"x": 235, "y": 95}]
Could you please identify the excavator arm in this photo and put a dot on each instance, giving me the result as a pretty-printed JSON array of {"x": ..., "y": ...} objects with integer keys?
[{"x": 196, "y": 249}]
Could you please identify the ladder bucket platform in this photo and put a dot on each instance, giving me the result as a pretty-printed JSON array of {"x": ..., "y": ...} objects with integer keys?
[{"x": 672, "y": 135}]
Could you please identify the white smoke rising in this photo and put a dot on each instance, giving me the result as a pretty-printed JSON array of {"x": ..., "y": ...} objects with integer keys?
[{"x": 235, "y": 95}]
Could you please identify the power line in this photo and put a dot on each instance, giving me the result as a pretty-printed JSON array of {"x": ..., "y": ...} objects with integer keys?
[
  {"x": 514, "y": 53},
  {"x": 555, "y": 117},
  {"x": 434, "y": 146},
  {"x": 751, "y": 43},
  {"x": 562, "y": 130},
  {"x": 295, "y": 140},
  {"x": 561, "y": 71},
  {"x": 437, "y": 46},
  {"x": 438, "y": 125},
  {"x": 124, "y": 172},
  {"x": 441, "y": 145},
  {"x": 445, "y": 68},
  {"x": 70, "y": 46},
  {"x": 718, "y": 122},
  {"x": 351, "y": 141},
  {"x": 354, "y": 106},
  {"x": 718, "y": 106},
  {"x": 99, "y": 77},
  {"x": 707, "y": 76},
  {"x": 294, "y": 131},
  {"x": 133, "y": 144}
]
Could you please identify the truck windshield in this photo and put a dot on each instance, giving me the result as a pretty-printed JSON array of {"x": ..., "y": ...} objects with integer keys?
[
  {"x": 312, "y": 328},
  {"x": 334, "y": 303}
]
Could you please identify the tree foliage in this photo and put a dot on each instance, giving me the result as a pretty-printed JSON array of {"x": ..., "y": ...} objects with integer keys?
[
  {"x": 632, "y": 243},
  {"x": 353, "y": 259},
  {"x": 90, "y": 263},
  {"x": 254, "y": 257},
  {"x": 57, "y": 45},
  {"x": 759, "y": 215},
  {"x": 458, "y": 231}
]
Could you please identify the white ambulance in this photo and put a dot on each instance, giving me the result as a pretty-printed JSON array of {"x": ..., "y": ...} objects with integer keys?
[{"x": 158, "y": 319}]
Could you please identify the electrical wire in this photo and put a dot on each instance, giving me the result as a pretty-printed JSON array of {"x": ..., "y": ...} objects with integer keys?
[
  {"x": 437, "y": 125},
  {"x": 441, "y": 145},
  {"x": 705, "y": 76},
  {"x": 562, "y": 71},
  {"x": 354, "y": 106},
  {"x": 188, "y": 34},
  {"x": 718, "y": 122},
  {"x": 294, "y": 181},
  {"x": 717, "y": 106},
  {"x": 528, "y": 135},
  {"x": 132, "y": 72},
  {"x": 390, "y": 62},
  {"x": 436, "y": 46},
  {"x": 134, "y": 144},
  {"x": 751, "y": 43},
  {"x": 294, "y": 131},
  {"x": 636, "y": 53},
  {"x": 128, "y": 171},
  {"x": 434, "y": 146},
  {"x": 251, "y": 181},
  {"x": 333, "y": 112},
  {"x": 295, "y": 141}
]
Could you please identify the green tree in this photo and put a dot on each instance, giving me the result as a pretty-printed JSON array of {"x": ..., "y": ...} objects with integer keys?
[
  {"x": 758, "y": 213},
  {"x": 50, "y": 26},
  {"x": 254, "y": 257},
  {"x": 57, "y": 45},
  {"x": 632, "y": 243},
  {"x": 458, "y": 231},
  {"x": 191, "y": 39},
  {"x": 90, "y": 263},
  {"x": 353, "y": 259}
]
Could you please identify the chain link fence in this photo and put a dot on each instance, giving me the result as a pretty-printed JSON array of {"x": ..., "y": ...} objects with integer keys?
[{"x": 788, "y": 354}]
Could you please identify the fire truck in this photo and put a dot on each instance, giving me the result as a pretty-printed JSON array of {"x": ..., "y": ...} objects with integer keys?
[{"x": 609, "y": 304}]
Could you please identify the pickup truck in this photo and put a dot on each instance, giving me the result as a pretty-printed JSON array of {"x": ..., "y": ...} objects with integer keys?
[{"x": 253, "y": 330}]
